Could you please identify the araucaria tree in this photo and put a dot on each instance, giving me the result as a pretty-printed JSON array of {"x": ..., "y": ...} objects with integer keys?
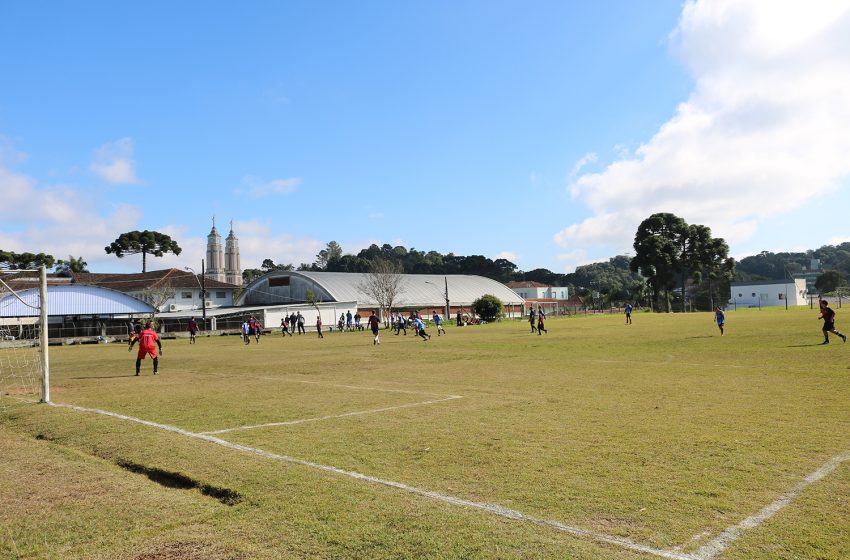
[
  {"x": 383, "y": 283},
  {"x": 144, "y": 242},
  {"x": 659, "y": 243},
  {"x": 667, "y": 249}
]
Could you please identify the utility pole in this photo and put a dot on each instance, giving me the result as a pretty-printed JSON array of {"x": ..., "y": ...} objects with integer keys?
[
  {"x": 203, "y": 295},
  {"x": 448, "y": 308}
]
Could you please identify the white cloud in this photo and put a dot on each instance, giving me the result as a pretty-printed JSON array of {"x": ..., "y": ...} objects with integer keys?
[
  {"x": 573, "y": 259},
  {"x": 113, "y": 162},
  {"x": 763, "y": 132},
  {"x": 507, "y": 255},
  {"x": 255, "y": 187},
  {"x": 583, "y": 161},
  {"x": 376, "y": 215},
  {"x": 838, "y": 240}
]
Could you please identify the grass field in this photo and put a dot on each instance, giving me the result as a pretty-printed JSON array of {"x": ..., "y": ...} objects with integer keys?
[{"x": 598, "y": 440}]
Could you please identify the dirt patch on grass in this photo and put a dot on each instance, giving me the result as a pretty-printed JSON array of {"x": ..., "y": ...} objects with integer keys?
[{"x": 176, "y": 551}]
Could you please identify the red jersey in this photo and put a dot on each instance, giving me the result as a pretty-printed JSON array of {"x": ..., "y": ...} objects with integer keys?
[{"x": 147, "y": 342}]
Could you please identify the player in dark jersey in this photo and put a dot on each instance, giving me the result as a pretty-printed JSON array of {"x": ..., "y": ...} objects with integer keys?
[
  {"x": 828, "y": 316},
  {"x": 148, "y": 342},
  {"x": 374, "y": 324},
  {"x": 193, "y": 330}
]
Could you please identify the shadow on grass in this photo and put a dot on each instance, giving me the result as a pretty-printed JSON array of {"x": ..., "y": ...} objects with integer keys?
[
  {"x": 105, "y": 376},
  {"x": 804, "y": 345}
]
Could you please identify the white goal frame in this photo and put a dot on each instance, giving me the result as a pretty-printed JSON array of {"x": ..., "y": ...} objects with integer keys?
[{"x": 42, "y": 327}]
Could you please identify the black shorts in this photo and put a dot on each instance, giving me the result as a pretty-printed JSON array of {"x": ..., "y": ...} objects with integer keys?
[{"x": 829, "y": 325}]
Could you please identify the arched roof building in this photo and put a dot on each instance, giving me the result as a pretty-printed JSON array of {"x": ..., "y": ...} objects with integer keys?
[
  {"x": 72, "y": 299},
  {"x": 416, "y": 290}
]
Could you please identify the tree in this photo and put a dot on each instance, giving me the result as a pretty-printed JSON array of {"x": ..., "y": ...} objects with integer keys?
[
  {"x": 830, "y": 281},
  {"x": 10, "y": 260},
  {"x": 269, "y": 265},
  {"x": 330, "y": 253},
  {"x": 488, "y": 307},
  {"x": 383, "y": 283},
  {"x": 658, "y": 251},
  {"x": 71, "y": 266},
  {"x": 144, "y": 242}
]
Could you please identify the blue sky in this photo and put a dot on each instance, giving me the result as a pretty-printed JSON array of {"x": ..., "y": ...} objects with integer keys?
[{"x": 539, "y": 131}]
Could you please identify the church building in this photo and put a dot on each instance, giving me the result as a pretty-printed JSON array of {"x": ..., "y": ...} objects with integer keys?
[{"x": 223, "y": 266}]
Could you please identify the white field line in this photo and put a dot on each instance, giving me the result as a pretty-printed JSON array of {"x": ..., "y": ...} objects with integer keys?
[
  {"x": 329, "y": 417},
  {"x": 494, "y": 509},
  {"x": 672, "y": 362},
  {"x": 326, "y": 384},
  {"x": 720, "y": 543},
  {"x": 357, "y": 387}
]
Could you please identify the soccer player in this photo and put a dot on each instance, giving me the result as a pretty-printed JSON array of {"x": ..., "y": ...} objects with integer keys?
[
  {"x": 193, "y": 330},
  {"x": 375, "y": 326},
  {"x": 541, "y": 327},
  {"x": 720, "y": 319},
  {"x": 246, "y": 332},
  {"x": 148, "y": 342},
  {"x": 531, "y": 317},
  {"x": 301, "y": 329},
  {"x": 628, "y": 313},
  {"x": 319, "y": 326},
  {"x": 438, "y": 322},
  {"x": 137, "y": 330},
  {"x": 420, "y": 328},
  {"x": 828, "y": 316},
  {"x": 401, "y": 325},
  {"x": 284, "y": 326}
]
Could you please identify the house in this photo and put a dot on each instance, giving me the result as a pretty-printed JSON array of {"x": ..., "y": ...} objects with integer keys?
[
  {"x": 167, "y": 290},
  {"x": 551, "y": 299},
  {"x": 769, "y": 293}
]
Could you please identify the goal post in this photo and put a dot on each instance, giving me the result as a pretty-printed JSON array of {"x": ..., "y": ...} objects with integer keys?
[{"x": 24, "y": 354}]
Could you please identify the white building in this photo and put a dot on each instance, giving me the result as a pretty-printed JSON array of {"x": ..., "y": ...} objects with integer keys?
[
  {"x": 769, "y": 293},
  {"x": 536, "y": 290},
  {"x": 167, "y": 290}
]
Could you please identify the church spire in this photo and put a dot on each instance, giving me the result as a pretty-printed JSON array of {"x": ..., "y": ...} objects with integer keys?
[{"x": 232, "y": 266}]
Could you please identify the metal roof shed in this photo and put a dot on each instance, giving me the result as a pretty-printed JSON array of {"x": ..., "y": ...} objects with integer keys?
[
  {"x": 417, "y": 290},
  {"x": 73, "y": 300}
]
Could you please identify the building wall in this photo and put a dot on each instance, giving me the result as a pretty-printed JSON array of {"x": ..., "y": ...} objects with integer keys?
[
  {"x": 551, "y": 292},
  {"x": 216, "y": 297},
  {"x": 758, "y": 294}
]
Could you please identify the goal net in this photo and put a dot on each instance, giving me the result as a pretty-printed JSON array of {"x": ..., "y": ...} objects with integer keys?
[{"x": 23, "y": 342}]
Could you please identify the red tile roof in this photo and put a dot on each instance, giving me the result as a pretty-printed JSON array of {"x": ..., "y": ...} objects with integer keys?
[
  {"x": 526, "y": 284},
  {"x": 168, "y": 278}
]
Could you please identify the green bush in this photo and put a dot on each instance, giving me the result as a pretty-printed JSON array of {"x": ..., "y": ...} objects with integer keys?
[{"x": 488, "y": 307}]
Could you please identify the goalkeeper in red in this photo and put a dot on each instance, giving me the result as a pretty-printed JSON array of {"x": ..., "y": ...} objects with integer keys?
[{"x": 148, "y": 343}]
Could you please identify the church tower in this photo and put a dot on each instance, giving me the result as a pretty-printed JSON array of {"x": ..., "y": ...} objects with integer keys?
[
  {"x": 232, "y": 267},
  {"x": 215, "y": 257}
]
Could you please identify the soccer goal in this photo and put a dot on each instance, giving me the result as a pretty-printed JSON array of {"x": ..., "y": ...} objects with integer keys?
[{"x": 24, "y": 362}]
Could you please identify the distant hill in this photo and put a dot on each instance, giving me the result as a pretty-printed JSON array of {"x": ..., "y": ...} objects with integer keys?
[{"x": 769, "y": 266}]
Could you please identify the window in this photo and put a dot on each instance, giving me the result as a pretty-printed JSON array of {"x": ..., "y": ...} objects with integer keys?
[
  {"x": 219, "y": 295},
  {"x": 279, "y": 281},
  {"x": 754, "y": 294},
  {"x": 740, "y": 295},
  {"x": 186, "y": 295},
  {"x": 781, "y": 296}
]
